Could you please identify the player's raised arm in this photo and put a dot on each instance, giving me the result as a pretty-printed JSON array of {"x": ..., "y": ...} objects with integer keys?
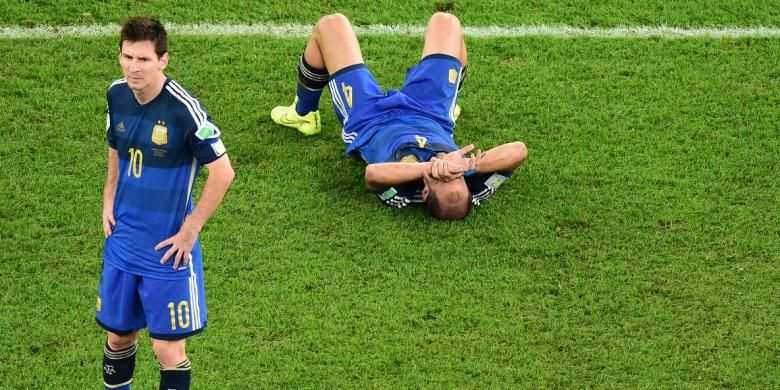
[{"x": 506, "y": 157}]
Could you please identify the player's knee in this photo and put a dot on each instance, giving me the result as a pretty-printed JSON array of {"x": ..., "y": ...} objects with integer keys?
[
  {"x": 332, "y": 24},
  {"x": 443, "y": 20},
  {"x": 169, "y": 353},
  {"x": 520, "y": 150},
  {"x": 118, "y": 342}
]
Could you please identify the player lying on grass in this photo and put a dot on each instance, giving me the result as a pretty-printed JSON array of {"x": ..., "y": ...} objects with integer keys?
[{"x": 405, "y": 136}]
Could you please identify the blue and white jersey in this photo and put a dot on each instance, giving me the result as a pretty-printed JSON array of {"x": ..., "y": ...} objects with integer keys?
[{"x": 161, "y": 145}]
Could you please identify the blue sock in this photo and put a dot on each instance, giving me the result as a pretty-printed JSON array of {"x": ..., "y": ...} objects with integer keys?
[
  {"x": 118, "y": 367},
  {"x": 311, "y": 81},
  {"x": 176, "y": 378}
]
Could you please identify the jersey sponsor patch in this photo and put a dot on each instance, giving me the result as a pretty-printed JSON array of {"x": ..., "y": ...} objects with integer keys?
[
  {"x": 495, "y": 180},
  {"x": 208, "y": 130},
  {"x": 219, "y": 148}
]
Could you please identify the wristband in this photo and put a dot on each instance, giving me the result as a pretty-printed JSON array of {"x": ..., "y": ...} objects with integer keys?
[{"x": 470, "y": 172}]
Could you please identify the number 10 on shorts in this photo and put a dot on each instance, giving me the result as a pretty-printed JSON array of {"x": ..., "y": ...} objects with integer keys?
[{"x": 183, "y": 310}]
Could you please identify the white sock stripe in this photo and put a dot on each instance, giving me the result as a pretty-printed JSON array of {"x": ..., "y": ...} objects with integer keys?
[
  {"x": 304, "y": 30},
  {"x": 118, "y": 385},
  {"x": 121, "y": 354},
  {"x": 311, "y": 75}
]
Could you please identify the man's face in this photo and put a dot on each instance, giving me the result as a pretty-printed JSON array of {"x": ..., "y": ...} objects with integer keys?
[{"x": 140, "y": 64}]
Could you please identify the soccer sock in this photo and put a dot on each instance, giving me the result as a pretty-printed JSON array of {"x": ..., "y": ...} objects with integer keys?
[
  {"x": 118, "y": 367},
  {"x": 176, "y": 378},
  {"x": 311, "y": 81},
  {"x": 462, "y": 77}
]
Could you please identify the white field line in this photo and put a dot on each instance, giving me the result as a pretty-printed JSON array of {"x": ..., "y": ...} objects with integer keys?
[{"x": 299, "y": 30}]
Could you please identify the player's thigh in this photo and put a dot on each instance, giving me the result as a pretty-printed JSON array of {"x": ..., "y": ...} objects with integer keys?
[
  {"x": 336, "y": 41},
  {"x": 174, "y": 309},
  {"x": 353, "y": 88},
  {"x": 119, "y": 309},
  {"x": 433, "y": 83}
]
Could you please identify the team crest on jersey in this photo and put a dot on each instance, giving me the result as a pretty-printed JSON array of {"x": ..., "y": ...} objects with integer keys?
[
  {"x": 409, "y": 158},
  {"x": 453, "y": 76},
  {"x": 120, "y": 127},
  {"x": 160, "y": 133}
]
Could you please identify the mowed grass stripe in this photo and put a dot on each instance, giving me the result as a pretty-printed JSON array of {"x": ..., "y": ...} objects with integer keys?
[{"x": 303, "y": 30}]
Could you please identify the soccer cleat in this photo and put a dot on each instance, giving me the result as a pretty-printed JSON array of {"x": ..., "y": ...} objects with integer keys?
[
  {"x": 308, "y": 124},
  {"x": 456, "y": 112}
]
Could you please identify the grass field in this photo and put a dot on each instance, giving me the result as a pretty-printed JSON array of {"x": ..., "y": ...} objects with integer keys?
[{"x": 638, "y": 246}]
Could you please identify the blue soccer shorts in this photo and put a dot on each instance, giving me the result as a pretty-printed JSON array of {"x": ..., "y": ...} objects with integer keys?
[
  {"x": 431, "y": 86},
  {"x": 171, "y": 309}
]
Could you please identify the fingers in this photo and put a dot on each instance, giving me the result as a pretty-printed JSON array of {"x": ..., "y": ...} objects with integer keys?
[
  {"x": 108, "y": 224},
  {"x": 466, "y": 149},
  {"x": 168, "y": 254},
  {"x": 177, "y": 258},
  {"x": 163, "y": 244}
]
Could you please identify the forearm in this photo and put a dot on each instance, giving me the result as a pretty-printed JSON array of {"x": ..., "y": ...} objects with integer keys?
[
  {"x": 504, "y": 157},
  {"x": 112, "y": 178},
  {"x": 217, "y": 184},
  {"x": 380, "y": 175}
]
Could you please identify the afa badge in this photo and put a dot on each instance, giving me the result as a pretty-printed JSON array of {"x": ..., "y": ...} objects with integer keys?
[
  {"x": 453, "y": 76},
  {"x": 160, "y": 134},
  {"x": 409, "y": 159}
]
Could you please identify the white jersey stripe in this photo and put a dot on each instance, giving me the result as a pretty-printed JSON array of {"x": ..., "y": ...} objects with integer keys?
[
  {"x": 189, "y": 97},
  {"x": 194, "y": 102},
  {"x": 119, "y": 81},
  {"x": 192, "y": 105},
  {"x": 334, "y": 93},
  {"x": 187, "y": 104}
]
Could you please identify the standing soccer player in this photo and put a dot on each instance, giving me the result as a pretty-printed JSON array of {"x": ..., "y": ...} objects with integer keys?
[{"x": 159, "y": 135}]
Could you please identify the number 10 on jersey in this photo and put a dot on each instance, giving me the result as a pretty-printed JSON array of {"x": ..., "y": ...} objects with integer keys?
[{"x": 136, "y": 163}]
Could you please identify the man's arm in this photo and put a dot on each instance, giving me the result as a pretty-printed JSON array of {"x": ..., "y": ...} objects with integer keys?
[
  {"x": 506, "y": 157},
  {"x": 381, "y": 175},
  {"x": 220, "y": 176},
  {"x": 109, "y": 190}
]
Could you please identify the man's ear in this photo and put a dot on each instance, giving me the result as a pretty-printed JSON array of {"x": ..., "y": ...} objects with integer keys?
[
  {"x": 425, "y": 193},
  {"x": 164, "y": 61}
]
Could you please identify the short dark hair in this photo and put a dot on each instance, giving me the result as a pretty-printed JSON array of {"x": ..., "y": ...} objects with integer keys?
[
  {"x": 144, "y": 28},
  {"x": 433, "y": 206}
]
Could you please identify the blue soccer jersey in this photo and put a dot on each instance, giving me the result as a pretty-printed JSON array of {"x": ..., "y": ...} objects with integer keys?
[{"x": 161, "y": 146}]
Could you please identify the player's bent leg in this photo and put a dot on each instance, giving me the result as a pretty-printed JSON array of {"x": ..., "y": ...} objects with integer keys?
[
  {"x": 335, "y": 40},
  {"x": 444, "y": 35},
  {"x": 175, "y": 368},
  {"x": 119, "y": 360}
]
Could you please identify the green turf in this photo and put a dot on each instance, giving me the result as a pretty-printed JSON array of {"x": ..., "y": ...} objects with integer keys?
[
  {"x": 637, "y": 247},
  {"x": 473, "y": 12}
]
